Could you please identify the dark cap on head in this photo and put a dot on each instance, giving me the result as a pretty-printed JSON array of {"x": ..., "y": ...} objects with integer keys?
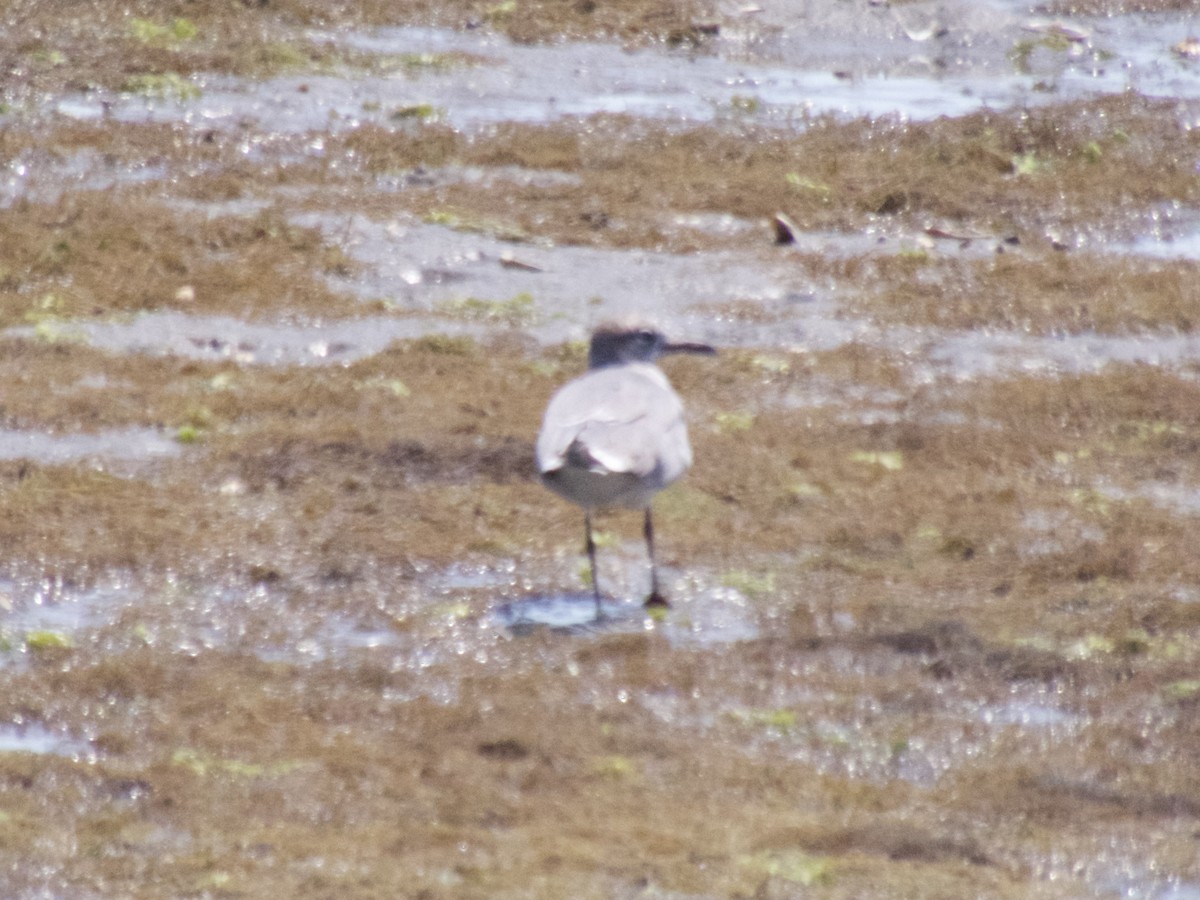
[{"x": 633, "y": 340}]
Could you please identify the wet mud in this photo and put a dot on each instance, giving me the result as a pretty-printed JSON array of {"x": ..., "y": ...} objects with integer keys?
[{"x": 284, "y": 290}]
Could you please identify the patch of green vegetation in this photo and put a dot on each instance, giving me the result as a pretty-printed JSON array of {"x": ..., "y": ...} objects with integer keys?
[
  {"x": 56, "y": 331},
  {"x": 889, "y": 460},
  {"x": 279, "y": 56},
  {"x": 805, "y": 490},
  {"x": 585, "y": 574},
  {"x": 43, "y": 640},
  {"x": 504, "y": 231},
  {"x": 1021, "y": 54},
  {"x": 285, "y": 56},
  {"x": 500, "y": 11},
  {"x": 731, "y": 422},
  {"x": 54, "y": 58},
  {"x": 1148, "y": 431},
  {"x": 689, "y": 504},
  {"x": 393, "y": 386},
  {"x": 1028, "y": 164},
  {"x": 1092, "y": 501},
  {"x": 165, "y": 86},
  {"x": 1022, "y": 51},
  {"x": 781, "y": 720},
  {"x": 1185, "y": 689},
  {"x": 794, "y": 866},
  {"x": 219, "y": 881},
  {"x": 446, "y": 345},
  {"x": 177, "y": 31},
  {"x": 745, "y": 105},
  {"x": 1056, "y": 43},
  {"x": 1068, "y": 457},
  {"x": 222, "y": 381},
  {"x": 454, "y": 610},
  {"x": 913, "y": 254},
  {"x": 49, "y": 307},
  {"x": 204, "y": 764},
  {"x": 808, "y": 185},
  {"x": 1090, "y": 646},
  {"x": 518, "y": 310},
  {"x": 771, "y": 365},
  {"x": 419, "y": 63},
  {"x": 1134, "y": 642},
  {"x": 545, "y": 368},
  {"x": 425, "y": 112},
  {"x": 198, "y": 420},
  {"x": 614, "y": 766},
  {"x": 605, "y": 539},
  {"x": 751, "y": 584},
  {"x": 187, "y": 434}
]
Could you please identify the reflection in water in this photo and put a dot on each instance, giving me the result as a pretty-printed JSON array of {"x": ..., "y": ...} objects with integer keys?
[
  {"x": 716, "y": 615},
  {"x": 37, "y": 738},
  {"x": 565, "y": 612}
]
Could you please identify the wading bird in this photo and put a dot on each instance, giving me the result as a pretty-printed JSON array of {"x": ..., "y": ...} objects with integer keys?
[{"x": 615, "y": 436}]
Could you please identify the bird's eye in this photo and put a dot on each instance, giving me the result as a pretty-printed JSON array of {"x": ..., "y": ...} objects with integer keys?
[{"x": 647, "y": 336}]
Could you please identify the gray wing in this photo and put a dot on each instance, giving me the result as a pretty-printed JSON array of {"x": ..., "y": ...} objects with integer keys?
[{"x": 620, "y": 420}]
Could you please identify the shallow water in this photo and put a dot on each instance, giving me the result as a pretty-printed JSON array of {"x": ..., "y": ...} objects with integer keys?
[
  {"x": 945, "y": 648},
  {"x": 443, "y": 281},
  {"x": 958, "y": 71},
  {"x": 127, "y": 445},
  {"x": 36, "y": 738}
]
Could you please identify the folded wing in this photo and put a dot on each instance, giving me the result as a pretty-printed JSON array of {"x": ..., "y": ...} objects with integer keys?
[{"x": 623, "y": 421}]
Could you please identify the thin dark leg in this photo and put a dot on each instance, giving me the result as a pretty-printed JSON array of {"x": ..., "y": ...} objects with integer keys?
[
  {"x": 655, "y": 598},
  {"x": 591, "y": 552}
]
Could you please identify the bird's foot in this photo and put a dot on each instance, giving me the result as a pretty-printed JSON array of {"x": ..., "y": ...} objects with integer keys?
[{"x": 657, "y": 601}]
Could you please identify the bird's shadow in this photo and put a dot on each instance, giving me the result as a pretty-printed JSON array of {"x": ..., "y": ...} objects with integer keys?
[{"x": 571, "y": 613}]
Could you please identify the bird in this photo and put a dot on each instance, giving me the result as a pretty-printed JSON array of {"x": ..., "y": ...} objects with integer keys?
[{"x": 615, "y": 436}]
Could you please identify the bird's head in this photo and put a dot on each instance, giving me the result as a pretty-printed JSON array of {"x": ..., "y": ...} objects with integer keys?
[{"x": 633, "y": 340}]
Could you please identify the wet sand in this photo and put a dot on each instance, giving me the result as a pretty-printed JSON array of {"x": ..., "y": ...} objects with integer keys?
[{"x": 284, "y": 293}]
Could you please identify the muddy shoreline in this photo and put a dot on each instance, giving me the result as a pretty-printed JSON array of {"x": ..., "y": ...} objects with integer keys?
[{"x": 284, "y": 290}]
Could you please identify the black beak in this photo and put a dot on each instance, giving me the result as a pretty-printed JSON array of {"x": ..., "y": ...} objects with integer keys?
[{"x": 702, "y": 349}]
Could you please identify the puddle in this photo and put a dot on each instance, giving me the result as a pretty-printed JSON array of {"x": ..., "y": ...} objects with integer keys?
[
  {"x": 748, "y": 698},
  {"x": 1181, "y": 499},
  {"x": 856, "y": 73},
  {"x": 574, "y": 612},
  {"x": 1129, "y": 877},
  {"x": 969, "y": 355},
  {"x": 120, "y": 445},
  {"x": 428, "y": 268},
  {"x": 1179, "y": 890},
  {"x": 1032, "y": 711},
  {"x": 713, "y": 616},
  {"x": 253, "y": 343},
  {"x": 38, "y": 739},
  {"x": 43, "y": 178},
  {"x": 330, "y": 640},
  {"x": 1183, "y": 246},
  {"x": 47, "y": 614},
  {"x": 445, "y": 282}
]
